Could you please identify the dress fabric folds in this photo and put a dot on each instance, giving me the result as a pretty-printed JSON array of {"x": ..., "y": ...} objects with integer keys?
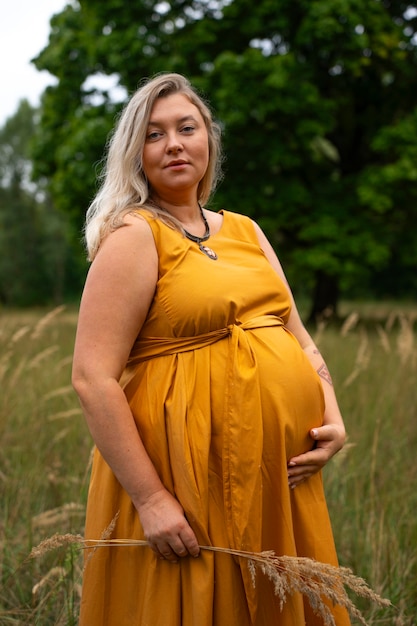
[{"x": 222, "y": 395}]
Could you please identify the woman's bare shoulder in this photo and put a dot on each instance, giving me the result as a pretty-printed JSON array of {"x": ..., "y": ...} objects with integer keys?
[{"x": 134, "y": 233}]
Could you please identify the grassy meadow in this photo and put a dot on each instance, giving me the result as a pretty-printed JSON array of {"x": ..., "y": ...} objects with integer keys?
[{"x": 45, "y": 452}]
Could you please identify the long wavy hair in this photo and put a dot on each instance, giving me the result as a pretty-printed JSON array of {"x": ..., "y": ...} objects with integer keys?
[{"x": 124, "y": 185}]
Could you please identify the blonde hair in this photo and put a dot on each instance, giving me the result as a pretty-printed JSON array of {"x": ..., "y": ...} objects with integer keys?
[{"x": 125, "y": 187}]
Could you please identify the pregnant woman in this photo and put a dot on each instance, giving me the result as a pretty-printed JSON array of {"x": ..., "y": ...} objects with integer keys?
[{"x": 211, "y": 408}]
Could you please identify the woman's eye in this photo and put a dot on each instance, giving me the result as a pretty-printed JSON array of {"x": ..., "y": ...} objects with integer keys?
[
  {"x": 153, "y": 135},
  {"x": 187, "y": 129}
]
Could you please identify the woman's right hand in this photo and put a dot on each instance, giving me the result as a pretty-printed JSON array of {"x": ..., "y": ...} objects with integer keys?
[{"x": 165, "y": 527}]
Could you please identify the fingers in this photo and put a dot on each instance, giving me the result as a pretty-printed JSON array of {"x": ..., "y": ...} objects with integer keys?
[
  {"x": 324, "y": 433},
  {"x": 299, "y": 474},
  {"x": 165, "y": 552},
  {"x": 302, "y": 467},
  {"x": 166, "y": 528},
  {"x": 179, "y": 546},
  {"x": 328, "y": 439},
  {"x": 333, "y": 434},
  {"x": 189, "y": 541},
  {"x": 168, "y": 553},
  {"x": 315, "y": 458}
]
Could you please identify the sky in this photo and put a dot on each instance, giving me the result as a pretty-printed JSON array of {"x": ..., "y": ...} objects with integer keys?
[{"x": 24, "y": 32}]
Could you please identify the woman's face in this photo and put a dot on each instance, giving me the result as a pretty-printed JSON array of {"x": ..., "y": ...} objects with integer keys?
[{"x": 176, "y": 152}]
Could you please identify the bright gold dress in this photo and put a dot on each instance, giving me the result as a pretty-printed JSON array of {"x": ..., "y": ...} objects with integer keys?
[{"x": 223, "y": 396}]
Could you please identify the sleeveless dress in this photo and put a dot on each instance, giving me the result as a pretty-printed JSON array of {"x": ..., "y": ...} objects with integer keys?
[{"x": 222, "y": 395}]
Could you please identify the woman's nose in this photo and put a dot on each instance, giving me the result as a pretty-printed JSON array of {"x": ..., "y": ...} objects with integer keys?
[{"x": 174, "y": 145}]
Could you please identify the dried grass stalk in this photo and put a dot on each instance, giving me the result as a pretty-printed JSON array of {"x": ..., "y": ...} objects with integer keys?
[
  {"x": 18, "y": 334},
  {"x": 54, "y": 573},
  {"x": 362, "y": 360},
  {"x": 319, "y": 582},
  {"x": 384, "y": 339},
  {"x": 60, "y": 514},
  {"x": 405, "y": 340},
  {"x": 64, "y": 414},
  {"x": 54, "y": 542},
  {"x": 41, "y": 356},
  {"x": 349, "y": 323},
  {"x": 61, "y": 391},
  {"x": 44, "y": 322}
]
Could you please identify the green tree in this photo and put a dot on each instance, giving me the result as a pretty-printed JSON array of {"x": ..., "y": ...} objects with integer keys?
[
  {"x": 32, "y": 238},
  {"x": 312, "y": 94}
]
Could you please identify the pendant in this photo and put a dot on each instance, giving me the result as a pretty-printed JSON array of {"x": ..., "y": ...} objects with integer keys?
[{"x": 208, "y": 252}]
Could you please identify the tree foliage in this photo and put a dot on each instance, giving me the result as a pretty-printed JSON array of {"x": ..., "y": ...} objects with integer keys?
[
  {"x": 317, "y": 100},
  {"x": 32, "y": 235}
]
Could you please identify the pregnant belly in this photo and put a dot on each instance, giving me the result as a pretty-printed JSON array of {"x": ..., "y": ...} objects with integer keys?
[{"x": 291, "y": 392}]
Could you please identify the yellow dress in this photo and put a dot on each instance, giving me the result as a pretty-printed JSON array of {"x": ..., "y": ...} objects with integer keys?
[{"x": 223, "y": 396}]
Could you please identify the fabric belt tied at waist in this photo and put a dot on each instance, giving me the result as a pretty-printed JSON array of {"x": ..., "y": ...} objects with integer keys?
[{"x": 150, "y": 347}]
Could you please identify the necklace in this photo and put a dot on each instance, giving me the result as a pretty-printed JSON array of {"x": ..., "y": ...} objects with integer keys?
[{"x": 205, "y": 249}]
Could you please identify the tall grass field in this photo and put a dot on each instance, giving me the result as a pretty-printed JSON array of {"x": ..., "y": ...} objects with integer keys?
[{"x": 45, "y": 452}]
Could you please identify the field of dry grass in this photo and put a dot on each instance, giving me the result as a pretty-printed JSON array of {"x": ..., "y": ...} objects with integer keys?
[{"x": 45, "y": 453}]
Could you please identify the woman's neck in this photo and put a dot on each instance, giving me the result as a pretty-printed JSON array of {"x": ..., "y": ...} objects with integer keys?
[{"x": 186, "y": 212}]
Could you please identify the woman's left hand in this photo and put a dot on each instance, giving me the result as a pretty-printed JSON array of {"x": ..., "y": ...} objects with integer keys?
[{"x": 328, "y": 439}]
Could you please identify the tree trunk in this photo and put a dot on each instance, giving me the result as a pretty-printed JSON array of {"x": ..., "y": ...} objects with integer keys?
[{"x": 325, "y": 298}]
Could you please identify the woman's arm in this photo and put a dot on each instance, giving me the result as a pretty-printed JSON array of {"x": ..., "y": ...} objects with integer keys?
[
  {"x": 330, "y": 437},
  {"x": 116, "y": 299}
]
